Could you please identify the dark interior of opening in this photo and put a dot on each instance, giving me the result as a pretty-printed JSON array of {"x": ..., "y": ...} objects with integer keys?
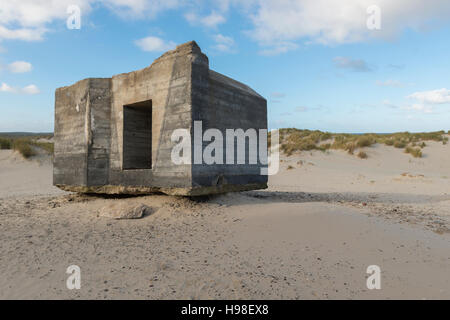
[{"x": 137, "y": 135}]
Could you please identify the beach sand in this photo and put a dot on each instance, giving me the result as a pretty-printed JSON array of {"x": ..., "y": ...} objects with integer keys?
[{"x": 325, "y": 218}]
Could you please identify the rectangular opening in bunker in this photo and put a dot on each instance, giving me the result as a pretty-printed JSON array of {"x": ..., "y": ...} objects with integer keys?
[{"x": 137, "y": 135}]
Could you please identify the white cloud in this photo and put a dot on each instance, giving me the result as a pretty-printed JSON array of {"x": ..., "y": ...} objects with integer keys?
[
  {"x": 31, "y": 89},
  {"x": 335, "y": 21},
  {"x": 213, "y": 20},
  {"x": 25, "y": 34},
  {"x": 226, "y": 5},
  {"x": 224, "y": 43},
  {"x": 426, "y": 101},
  {"x": 278, "y": 26},
  {"x": 278, "y": 48},
  {"x": 356, "y": 65},
  {"x": 6, "y": 88},
  {"x": 416, "y": 107},
  {"x": 439, "y": 96},
  {"x": 29, "y": 20},
  {"x": 210, "y": 21},
  {"x": 155, "y": 44},
  {"x": 191, "y": 17},
  {"x": 140, "y": 8},
  {"x": 32, "y": 13},
  {"x": 421, "y": 108},
  {"x": 20, "y": 67}
]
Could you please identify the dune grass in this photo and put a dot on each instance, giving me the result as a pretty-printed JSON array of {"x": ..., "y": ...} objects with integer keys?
[
  {"x": 47, "y": 146},
  {"x": 362, "y": 155},
  {"x": 25, "y": 145},
  {"x": 415, "y": 152},
  {"x": 5, "y": 143},
  {"x": 296, "y": 140}
]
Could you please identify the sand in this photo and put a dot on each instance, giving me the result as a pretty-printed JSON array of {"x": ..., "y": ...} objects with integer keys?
[
  {"x": 311, "y": 235},
  {"x": 25, "y": 178}
]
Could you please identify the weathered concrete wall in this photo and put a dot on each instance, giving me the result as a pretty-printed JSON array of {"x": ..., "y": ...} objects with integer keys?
[
  {"x": 99, "y": 131},
  {"x": 167, "y": 83},
  {"x": 82, "y": 138},
  {"x": 89, "y": 128},
  {"x": 223, "y": 103},
  {"x": 70, "y": 164}
]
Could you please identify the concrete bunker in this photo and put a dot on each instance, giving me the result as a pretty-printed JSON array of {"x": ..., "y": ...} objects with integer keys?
[{"x": 113, "y": 135}]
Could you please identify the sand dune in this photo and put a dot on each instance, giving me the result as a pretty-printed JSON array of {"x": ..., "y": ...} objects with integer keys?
[
  {"x": 310, "y": 236},
  {"x": 20, "y": 177}
]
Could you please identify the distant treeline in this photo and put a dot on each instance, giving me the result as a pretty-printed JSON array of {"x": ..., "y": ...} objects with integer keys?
[{"x": 45, "y": 135}]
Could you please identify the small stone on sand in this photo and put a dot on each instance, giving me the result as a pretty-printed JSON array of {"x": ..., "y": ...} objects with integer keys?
[{"x": 125, "y": 211}]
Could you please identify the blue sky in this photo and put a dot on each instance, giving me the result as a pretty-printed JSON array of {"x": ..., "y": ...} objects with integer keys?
[{"x": 316, "y": 62}]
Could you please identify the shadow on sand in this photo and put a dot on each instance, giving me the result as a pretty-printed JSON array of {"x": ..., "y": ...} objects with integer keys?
[{"x": 363, "y": 197}]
